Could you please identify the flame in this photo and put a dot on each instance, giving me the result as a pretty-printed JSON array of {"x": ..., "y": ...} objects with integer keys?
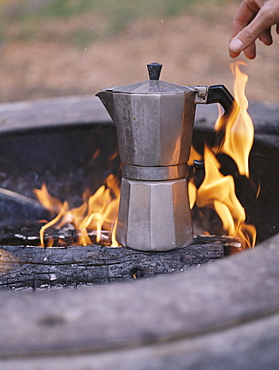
[
  {"x": 52, "y": 204},
  {"x": 192, "y": 189},
  {"x": 98, "y": 212},
  {"x": 192, "y": 192},
  {"x": 218, "y": 191},
  {"x": 239, "y": 135}
]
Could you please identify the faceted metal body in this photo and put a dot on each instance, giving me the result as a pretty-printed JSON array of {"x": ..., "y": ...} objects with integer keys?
[
  {"x": 154, "y": 216},
  {"x": 154, "y": 128}
]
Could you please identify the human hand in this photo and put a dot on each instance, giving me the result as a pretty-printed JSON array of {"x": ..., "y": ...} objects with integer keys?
[{"x": 253, "y": 20}]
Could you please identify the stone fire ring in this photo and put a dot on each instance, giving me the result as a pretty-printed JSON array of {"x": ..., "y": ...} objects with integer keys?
[{"x": 224, "y": 315}]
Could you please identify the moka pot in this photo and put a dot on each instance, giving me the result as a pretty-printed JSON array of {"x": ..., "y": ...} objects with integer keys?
[{"x": 154, "y": 121}]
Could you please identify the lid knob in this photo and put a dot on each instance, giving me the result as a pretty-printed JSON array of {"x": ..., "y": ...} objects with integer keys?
[{"x": 154, "y": 70}]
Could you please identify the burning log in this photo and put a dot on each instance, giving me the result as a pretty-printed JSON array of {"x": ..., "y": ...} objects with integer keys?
[{"x": 31, "y": 267}]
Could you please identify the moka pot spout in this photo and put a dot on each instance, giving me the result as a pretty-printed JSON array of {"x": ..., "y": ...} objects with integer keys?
[{"x": 106, "y": 98}]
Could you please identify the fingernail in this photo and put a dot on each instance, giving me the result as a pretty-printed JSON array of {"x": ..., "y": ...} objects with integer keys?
[{"x": 236, "y": 45}]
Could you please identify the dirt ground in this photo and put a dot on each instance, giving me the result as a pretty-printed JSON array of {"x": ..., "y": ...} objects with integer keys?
[{"x": 192, "y": 49}]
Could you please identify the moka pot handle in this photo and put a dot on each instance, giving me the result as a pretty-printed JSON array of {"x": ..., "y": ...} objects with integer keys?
[
  {"x": 216, "y": 94},
  {"x": 220, "y": 94}
]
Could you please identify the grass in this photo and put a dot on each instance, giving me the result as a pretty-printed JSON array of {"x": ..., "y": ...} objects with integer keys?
[
  {"x": 21, "y": 20},
  {"x": 113, "y": 9}
]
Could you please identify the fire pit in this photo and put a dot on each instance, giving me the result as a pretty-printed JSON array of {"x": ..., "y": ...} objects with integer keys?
[
  {"x": 34, "y": 161},
  {"x": 224, "y": 315},
  {"x": 29, "y": 157}
]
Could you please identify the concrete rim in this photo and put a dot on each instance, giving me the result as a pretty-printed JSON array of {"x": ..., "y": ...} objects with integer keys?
[{"x": 239, "y": 289}]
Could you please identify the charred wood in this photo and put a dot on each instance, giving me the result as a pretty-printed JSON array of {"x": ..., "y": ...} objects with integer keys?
[{"x": 29, "y": 267}]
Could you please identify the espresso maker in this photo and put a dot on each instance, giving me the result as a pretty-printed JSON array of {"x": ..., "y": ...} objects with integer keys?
[{"x": 154, "y": 121}]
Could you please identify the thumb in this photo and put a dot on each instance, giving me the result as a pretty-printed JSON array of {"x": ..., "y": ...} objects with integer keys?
[
  {"x": 243, "y": 42},
  {"x": 244, "y": 38}
]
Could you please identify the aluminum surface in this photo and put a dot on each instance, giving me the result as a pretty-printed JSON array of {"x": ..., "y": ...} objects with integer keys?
[
  {"x": 154, "y": 215},
  {"x": 152, "y": 129},
  {"x": 154, "y": 173}
]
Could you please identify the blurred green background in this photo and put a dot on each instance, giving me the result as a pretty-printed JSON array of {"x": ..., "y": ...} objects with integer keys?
[
  {"x": 51, "y": 48},
  {"x": 21, "y": 20}
]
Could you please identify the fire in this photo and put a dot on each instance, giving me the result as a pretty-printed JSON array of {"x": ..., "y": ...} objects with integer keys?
[
  {"x": 218, "y": 191},
  {"x": 98, "y": 212},
  {"x": 239, "y": 130},
  {"x": 192, "y": 190},
  {"x": 52, "y": 204}
]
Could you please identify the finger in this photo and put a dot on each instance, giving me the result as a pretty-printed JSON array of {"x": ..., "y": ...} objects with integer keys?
[
  {"x": 245, "y": 14},
  {"x": 249, "y": 34},
  {"x": 266, "y": 37},
  {"x": 250, "y": 51},
  {"x": 233, "y": 54}
]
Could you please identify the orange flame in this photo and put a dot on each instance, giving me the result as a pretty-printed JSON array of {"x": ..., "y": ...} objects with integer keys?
[
  {"x": 239, "y": 136},
  {"x": 52, "y": 204},
  {"x": 218, "y": 191},
  {"x": 97, "y": 213}
]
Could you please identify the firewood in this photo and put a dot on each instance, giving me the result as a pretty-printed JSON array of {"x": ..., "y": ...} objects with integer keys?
[{"x": 33, "y": 267}]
